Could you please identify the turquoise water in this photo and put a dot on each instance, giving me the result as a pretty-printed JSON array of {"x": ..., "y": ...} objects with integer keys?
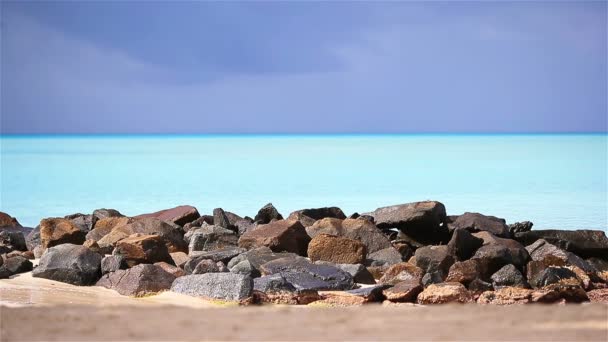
[{"x": 556, "y": 181}]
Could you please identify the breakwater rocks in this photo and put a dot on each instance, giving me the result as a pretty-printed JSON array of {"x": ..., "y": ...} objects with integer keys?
[{"x": 411, "y": 252}]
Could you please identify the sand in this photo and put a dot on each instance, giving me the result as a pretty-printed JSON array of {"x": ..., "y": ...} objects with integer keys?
[{"x": 34, "y": 309}]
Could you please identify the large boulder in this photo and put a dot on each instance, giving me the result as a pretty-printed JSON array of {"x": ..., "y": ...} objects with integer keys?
[
  {"x": 552, "y": 255},
  {"x": 57, "y": 231},
  {"x": 421, "y": 221},
  {"x": 266, "y": 214},
  {"x": 508, "y": 276},
  {"x": 204, "y": 219},
  {"x": 445, "y": 293},
  {"x": 208, "y": 238},
  {"x": 463, "y": 245},
  {"x": 147, "y": 226},
  {"x": 14, "y": 265},
  {"x": 142, "y": 249},
  {"x": 336, "y": 249},
  {"x": 179, "y": 215},
  {"x": 279, "y": 236},
  {"x": 68, "y": 263},
  {"x": 105, "y": 225},
  {"x": 224, "y": 255},
  {"x": 358, "y": 229},
  {"x": 250, "y": 262},
  {"x": 584, "y": 243},
  {"x": 11, "y": 240},
  {"x": 476, "y": 222},
  {"x": 223, "y": 286},
  {"x": 220, "y": 218},
  {"x": 138, "y": 281},
  {"x": 433, "y": 259},
  {"x": 304, "y": 275},
  {"x": 308, "y": 216},
  {"x": 497, "y": 252}
]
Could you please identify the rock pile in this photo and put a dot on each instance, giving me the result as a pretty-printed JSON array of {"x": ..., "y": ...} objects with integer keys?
[{"x": 411, "y": 252}]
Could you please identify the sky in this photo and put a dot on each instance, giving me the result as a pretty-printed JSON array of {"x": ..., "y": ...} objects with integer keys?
[{"x": 303, "y": 67}]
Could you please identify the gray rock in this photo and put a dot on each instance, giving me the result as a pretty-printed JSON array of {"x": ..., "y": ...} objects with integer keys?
[
  {"x": 434, "y": 259},
  {"x": 82, "y": 221},
  {"x": 224, "y": 286},
  {"x": 32, "y": 240},
  {"x": 224, "y": 255},
  {"x": 12, "y": 240},
  {"x": 68, "y": 263},
  {"x": 209, "y": 238},
  {"x": 220, "y": 218},
  {"x": 384, "y": 257},
  {"x": 272, "y": 284},
  {"x": 508, "y": 275},
  {"x": 103, "y": 213},
  {"x": 549, "y": 254},
  {"x": 206, "y": 266},
  {"x": 304, "y": 275},
  {"x": 140, "y": 280},
  {"x": 520, "y": 227},
  {"x": 550, "y": 275},
  {"x": 253, "y": 259},
  {"x": 15, "y": 265},
  {"x": 360, "y": 273},
  {"x": 112, "y": 263},
  {"x": 497, "y": 252}
]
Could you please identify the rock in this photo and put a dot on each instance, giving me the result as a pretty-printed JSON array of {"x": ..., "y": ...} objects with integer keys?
[
  {"x": 582, "y": 276},
  {"x": 179, "y": 258},
  {"x": 279, "y": 236},
  {"x": 138, "y": 281},
  {"x": 57, "y": 231},
  {"x": 112, "y": 263},
  {"x": 179, "y": 215},
  {"x": 224, "y": 255},
  {"x": 354, "y": 215},
  {"x": 105, "y": 213},
  {"x": 210, "y": 238},
  {"x": 15, "y": 265},
  {"x": 508, "y": 276},
  {"x": 243, "y": 226},
  {"x": 267, "y": 214},
  {"x": 68, "y": 263},
  {"x": 359, "y": 272},
  {"x": 199, "y": 222},
  {"x": 463, "y": 272},
  {"x": 506, "y": 296},
  {"x": 26, "y": 254},
  {"x": 552, "y": 255},
  {"x": 171, "y": 233},
  {"x": 174, "y": 270},
  {"x": 562, "y": 291},
  {"x": 478, "y": 286},
  {"x": 463, "y": 245},
  {"x": 403, "y": 271},
  {"x": 336, "y": 249},
  {"x": 82, "y": 221},
  {"x": 475, "y": 222},
  {"x": 404, "y": 248},
  {"x": 445, "y": 293},
  {"x": 12, "y": 241},
  {"x": 550, "y": 275},
  {"x": 223, "y": 286},
  {"x": 404, "y": 291},
  {"x": 206, "y": 266},
  {"x": 143, "y": 249},
  {"x": 434, "y": 259},
  {"x": 362, "y": 230},
  {"x": 520, "y": 227},
  {"x": 308, "y": 216},
  {"x": 7, "y": 220},
  {"x": 598, "y": 296},
  {"x": 220, "y": 218},
  {"x": 276, "y": 289},
  {"x": 105, "y": 225},
  {"x": 497, "y": 252},
  {"x": 251, "y": 261},
  {"x": 421, "y": 221},
  {"x": 304, "y": 275},
  {"x": 32, "y": 239},
  {"x": 584, "y": 243},
  {"x": 384, "y": 257},
  {"x": 434, "y": 277},
  {"x": 353, "y": 297},
  {"x": 93, "y": 246}
]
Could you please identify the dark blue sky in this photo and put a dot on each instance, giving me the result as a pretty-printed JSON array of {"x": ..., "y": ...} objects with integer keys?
[{"x": 295, "y": 67}]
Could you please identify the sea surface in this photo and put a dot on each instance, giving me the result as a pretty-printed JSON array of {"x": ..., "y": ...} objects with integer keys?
[{"x": 556, "y": 181}]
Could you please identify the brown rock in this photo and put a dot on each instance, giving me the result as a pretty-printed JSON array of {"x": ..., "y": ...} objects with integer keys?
[
  {"x": 445, "y": 293},
  {"x": 105, "y": 225},
  {"x": 179, "y": 215},
  {"x": 176, "y": 271},
  {"x": 598, "y": 296},
  {"x": 463, "y": 272},
  {"x": 308, "y": 216},
  {"x": 143, "y": 249},
  {"x": 362, "y": 230},
  {"x": 7, "y": 220},
  {"x": 475, "y": 222},
  {"x": 405, "y": 291},
  {"x": 57, "y": 231},
  {"x": 506, "y": 296},
  {"x": 171, "y": 233},
  {"x": 401, "y": 272},
  {"x": 179, "y": 258},
  {"x": 138, "y": 281},
  {"x": 279, "y": 236},
  {"x": 378, "y": 271},
  {"x": 92, "y": 245},
  {"x": 336, "y": 249},
  {"x": 421, "y": 221}
]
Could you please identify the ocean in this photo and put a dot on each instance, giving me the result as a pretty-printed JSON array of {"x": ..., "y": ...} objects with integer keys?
[{"x": 556, "y": 181}]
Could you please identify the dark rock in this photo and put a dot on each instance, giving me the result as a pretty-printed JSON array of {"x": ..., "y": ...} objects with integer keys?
[
  {"x": 354, "y": 216},
  {"x": 208, "y": 238},
  {"x": 520, "y": 227},
  {"x": 276, "y": 289},
  {"x": 551, "y": 275},
  {"x": 384, "y": 257},
  {"x": 12, "y": 241},
  {"x": 206, "y": 266},
  {"x": 552, "y": 255},
  {"x": 405, "y": 291},
  {"x": 434, "y": 259},
  {"x": 304, "y": 275},
  {"x": 479, "y": 286},
  {"x": 463, "y": 245},
  {"x": 112, "y": 263},
  {"x": 401, "y": 272},
  {"x": 464, "y": 272},
  {"x": 475, "y": 222},
  {"x": 308, "y": 216},
  {"x": 251, "y": 261},
  {"x": 224, "y": 255},
  {"x": 32, "y": 240},
  {"x": 243, "y": 226},
  {"x": 224, "y": 286},
  {"x": 15, "y": 265},
  {"x": 584, "y": 243},
  {"x": 434, "y": 277},
  {"x": 497, "y": 252},
  {"x": 422, "y": 221},
  {"x": 140, "y": 280},
  {"x": 404, "y": 248},
  {"x": 82, "y": 221},
  {"x": 336, "y": 249},
  {"x": 199, "y": 222},
  {"x": 445, "y": 293},
  {"x": 105, "y": 213},
  {"x": 220, "y": 218},
  {"x": 176, "y": 271},
  {"x": 68, "y": 263},
  {"x": 171, "y": 233},
  {"x": 180, "y": 215},
  {"x": 359, "y": 272},
  {"x": 509, "y": 276},
  {"x": 267, "y": 214},
  {"x": 142, "y": 249},
  {"x": 362, "y": 230},
  {"x": 57, "y": 231},
  {"x": 284, "y": 235}
]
